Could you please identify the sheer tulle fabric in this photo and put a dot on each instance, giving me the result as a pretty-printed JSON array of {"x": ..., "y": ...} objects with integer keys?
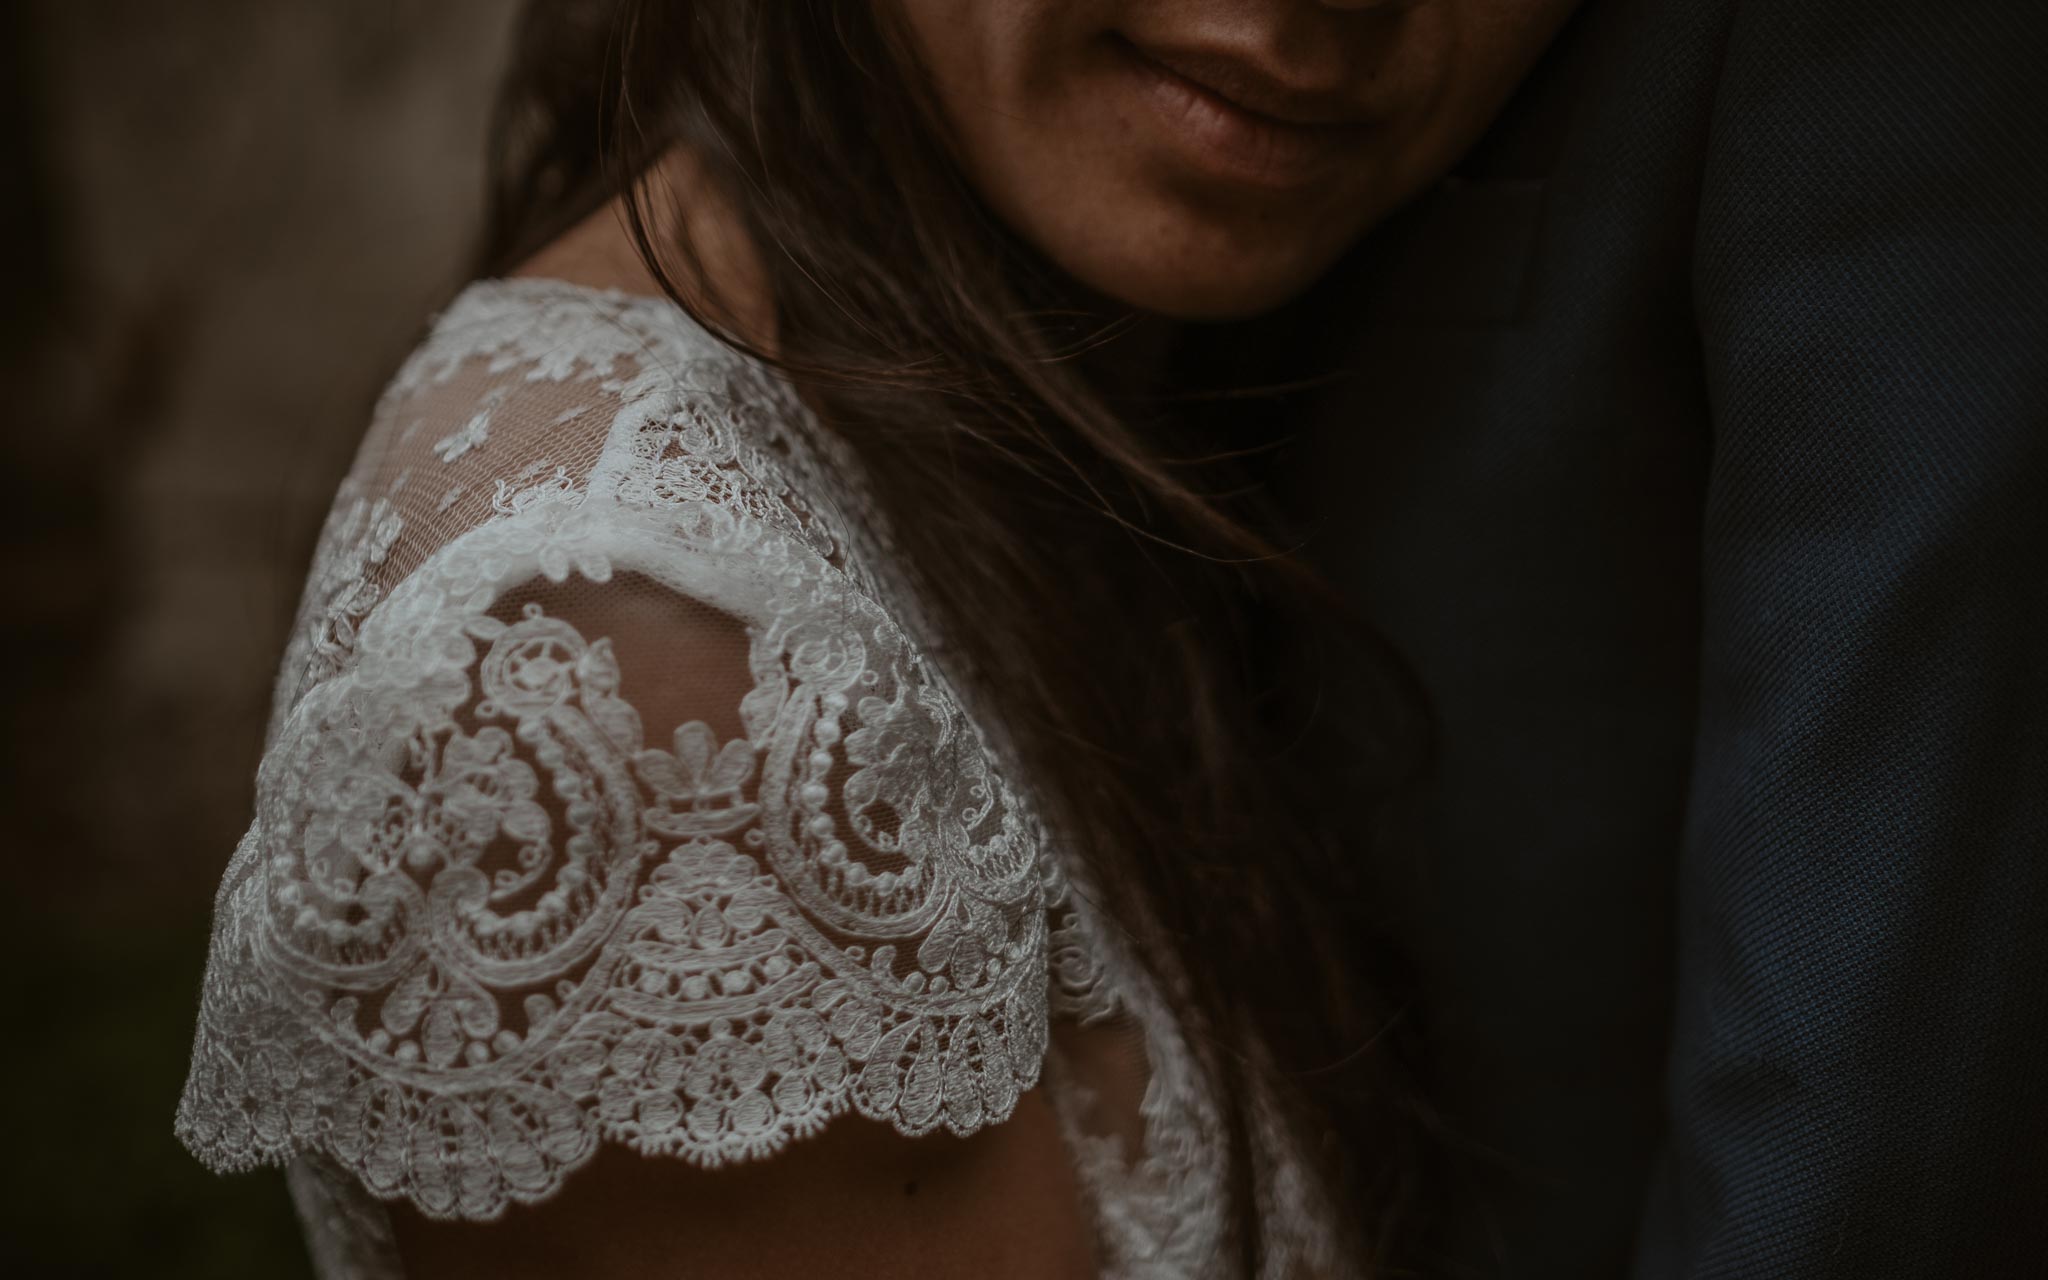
[{"x": 610, "y": 796}]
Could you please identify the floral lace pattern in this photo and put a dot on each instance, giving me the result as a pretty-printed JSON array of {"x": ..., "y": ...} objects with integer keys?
[
  {"x": 486, "y": 918},
  {"x": 706, "y": 963},
  {"x": 358, "y": 535}
]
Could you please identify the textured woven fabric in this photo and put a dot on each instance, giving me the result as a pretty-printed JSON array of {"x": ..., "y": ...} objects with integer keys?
[
  {"x": 1711, "y": 518},
  {"x": 1861, "y": 1074}
]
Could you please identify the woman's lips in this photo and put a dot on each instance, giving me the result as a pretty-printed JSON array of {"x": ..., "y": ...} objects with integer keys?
[{"x": 1290, "y": 138}]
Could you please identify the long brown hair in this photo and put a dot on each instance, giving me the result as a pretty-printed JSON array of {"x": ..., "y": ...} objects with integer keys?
[{"x": 1114, "y": 600}]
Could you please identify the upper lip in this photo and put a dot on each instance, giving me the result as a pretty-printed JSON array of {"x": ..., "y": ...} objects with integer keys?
[{"x": 1245, "y": 84}]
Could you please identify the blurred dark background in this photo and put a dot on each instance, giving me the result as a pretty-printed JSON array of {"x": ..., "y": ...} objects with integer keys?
[{"x": 224, "y": 224}]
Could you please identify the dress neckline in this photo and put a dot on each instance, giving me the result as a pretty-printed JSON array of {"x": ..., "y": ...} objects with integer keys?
[{"x": 544, "y": 286}]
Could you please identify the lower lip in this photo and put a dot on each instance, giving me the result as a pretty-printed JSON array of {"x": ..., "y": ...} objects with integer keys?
[{"x": 1236, "y": 145}]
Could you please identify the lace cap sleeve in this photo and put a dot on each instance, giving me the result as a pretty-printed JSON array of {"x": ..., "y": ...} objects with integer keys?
[{"x": 621, "y": 821}]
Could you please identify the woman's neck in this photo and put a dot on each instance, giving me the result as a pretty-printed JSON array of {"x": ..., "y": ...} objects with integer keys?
[
  {"x": 1128, "y": 360},
  {"x": 1131, "y": 358}
]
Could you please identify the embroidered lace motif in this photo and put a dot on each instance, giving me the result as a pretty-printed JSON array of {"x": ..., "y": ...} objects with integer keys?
[{"x": 495, "y": 907}]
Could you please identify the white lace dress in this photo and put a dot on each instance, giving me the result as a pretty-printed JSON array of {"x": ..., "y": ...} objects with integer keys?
[{"x": 610, "y": 796}]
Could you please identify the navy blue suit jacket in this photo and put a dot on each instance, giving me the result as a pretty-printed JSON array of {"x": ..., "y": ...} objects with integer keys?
[{"x": 1694, "y": 450}]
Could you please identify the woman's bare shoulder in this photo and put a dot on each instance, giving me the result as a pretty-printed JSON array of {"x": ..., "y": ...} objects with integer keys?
[
  {"x": 596, "y": 253},
  {"x": 682, "y": 201}
]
